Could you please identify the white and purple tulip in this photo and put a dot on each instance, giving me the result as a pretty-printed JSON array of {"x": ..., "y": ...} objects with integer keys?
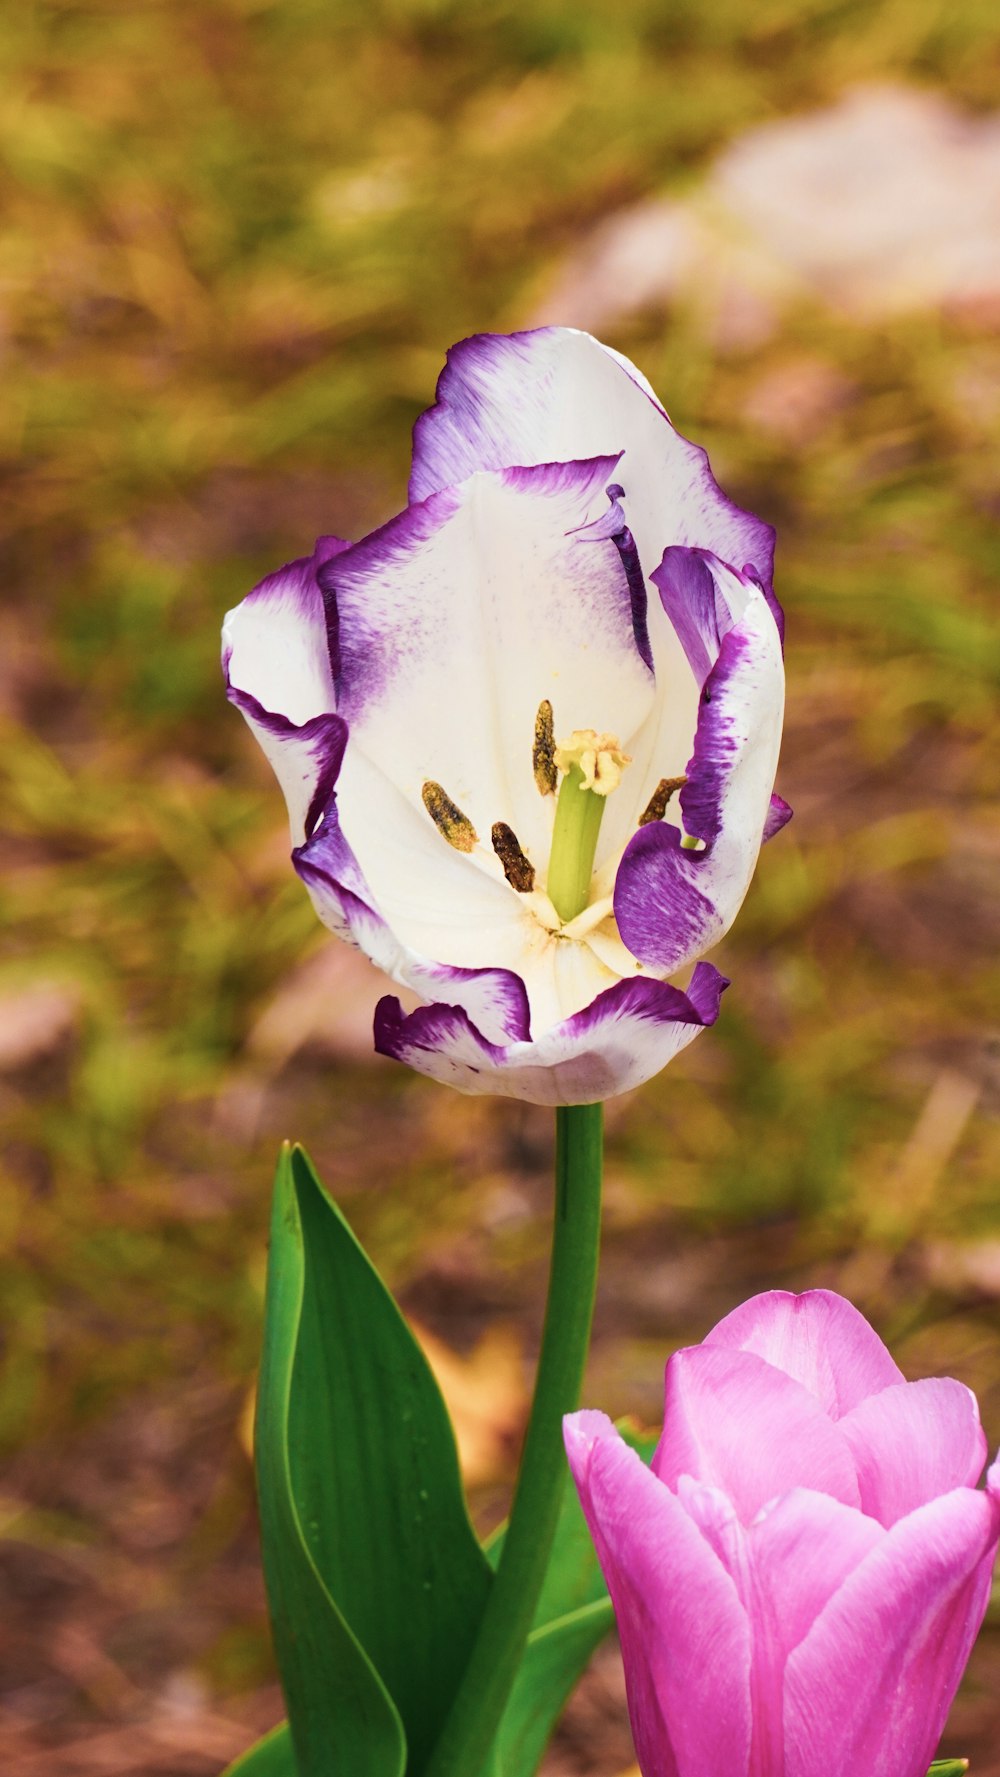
[{"x": 569, "y": 621}]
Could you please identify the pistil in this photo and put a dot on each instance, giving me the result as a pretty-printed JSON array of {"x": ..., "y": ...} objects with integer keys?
[{"x": 593, "y": 765}]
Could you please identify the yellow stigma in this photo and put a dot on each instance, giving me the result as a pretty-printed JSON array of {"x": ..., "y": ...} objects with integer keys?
[{"x": 598, "y": 758}]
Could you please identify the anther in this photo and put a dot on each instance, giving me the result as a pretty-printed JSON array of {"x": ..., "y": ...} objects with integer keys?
[
  {"x": 448, "y": 818},
  {"x": 543, "y": 753},
  {"x": 656, "y": 807},
  {"x": 518, "y": 871}
]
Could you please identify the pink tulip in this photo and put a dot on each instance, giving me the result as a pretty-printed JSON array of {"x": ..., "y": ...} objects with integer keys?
[{"x": 800, "y": 1574}]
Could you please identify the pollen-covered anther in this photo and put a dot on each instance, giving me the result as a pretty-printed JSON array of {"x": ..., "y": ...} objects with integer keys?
[
  {"x": 598, "y": 758},
  {"x": 543, "y": 752},
  {"x": 448, "y": 818},
  {"x": 656, "y": 807},
  {"x": 519, "y": 871}
]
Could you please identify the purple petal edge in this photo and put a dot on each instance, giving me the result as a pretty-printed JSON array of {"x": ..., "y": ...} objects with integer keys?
[
  {"x": 533, "y": 1069},
  {"x": 380, "y": 549},
  {"x": 303, "y": 570},
  {"x": 460, "y": 410},
  {"x": 363, "y": 639},
  {"x": 774, "y": 606},
  {"x": 330, "y": 870},
  {"x": 716, "y": 746},
  {"x": 662, "y": 913},
  {"x": 612, "y": 525},
  {"x": 690, "y": 596},
  {"x": 325, "y": 737},
  {"x": 672, "y": 902},
  {"x": 778, "y": 815}
]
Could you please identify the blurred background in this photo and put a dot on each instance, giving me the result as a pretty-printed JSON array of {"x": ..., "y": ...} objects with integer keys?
[{"x": 237, "y": 237}]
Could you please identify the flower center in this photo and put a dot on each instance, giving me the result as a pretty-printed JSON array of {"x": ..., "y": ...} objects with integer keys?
[{"x": 593, "y": 765}]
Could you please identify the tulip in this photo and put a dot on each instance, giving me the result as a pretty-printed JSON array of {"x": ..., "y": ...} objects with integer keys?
[
  {"x": 528, "y": 730},
  {"x": 800, "y": 1574}
]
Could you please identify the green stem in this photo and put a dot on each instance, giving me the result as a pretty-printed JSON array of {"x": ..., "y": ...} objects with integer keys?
[{"x": 507, "y": 1619}]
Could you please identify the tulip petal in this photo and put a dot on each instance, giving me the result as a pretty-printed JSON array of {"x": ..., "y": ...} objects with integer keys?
[
  {"x": 626, "y": 1035},
  {"x": 672, "y": 903},
  {"x": 737, "y": 1423},
  {"x": 870, "y": 1686},
  {"x": 685, "y": 1636},
  {"x": 797, "y": 1554},
  {"x": 555, "y": 394},
  {"x": 778, "y": 815},
  {"x": 455, "y": 621},
  {"x": 913, "y": 1442},
  {"x": 819, "y": 1338},
  {"x": 703, "y": 599},
  {"x": 276, "y": 663},
  {"x": 494, "y": 997}
]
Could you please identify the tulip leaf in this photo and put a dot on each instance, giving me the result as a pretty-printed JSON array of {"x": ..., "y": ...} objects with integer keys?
[
  {"x": 344, "y": 1718},
  {"x": 574, "y": 1615},
  {"x": 949, "y": 1767},
  {"x": 574, "y": 1610},
  {"x": 375, "y": 1579},
  {"x": 270, "y": 1757}
]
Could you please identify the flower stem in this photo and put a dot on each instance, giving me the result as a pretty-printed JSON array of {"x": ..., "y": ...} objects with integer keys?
[{"x": 507, "y": 1619}]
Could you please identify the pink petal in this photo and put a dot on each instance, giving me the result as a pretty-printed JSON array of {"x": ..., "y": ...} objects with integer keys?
[
  {"x": 913, "y": 1442},
  {"x": 798, "y": 1554},
  {"x": 685, "y": 1638},
  {"x": 869, "y": 1688},
  {"x": 734, "y": 1421},
  {"x": 819, "y": 1338}
]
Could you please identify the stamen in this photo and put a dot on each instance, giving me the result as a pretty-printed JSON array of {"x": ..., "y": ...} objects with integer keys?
[
  {"x": 656, "y": 807},
  {"x": 516, "y": 867},
  {"x": 448, "y": 818},
  {"x": 543, "y": 753}
]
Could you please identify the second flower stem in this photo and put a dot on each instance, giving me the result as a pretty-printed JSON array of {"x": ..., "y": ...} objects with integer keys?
[{"x": 499, "y": 1646}]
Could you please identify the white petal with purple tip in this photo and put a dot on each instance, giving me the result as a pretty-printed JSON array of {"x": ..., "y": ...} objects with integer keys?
[
  {"x": 625, "y": 1036},
  {"x": 673, "y": 903},
  {"x": 276, "y": 661}
]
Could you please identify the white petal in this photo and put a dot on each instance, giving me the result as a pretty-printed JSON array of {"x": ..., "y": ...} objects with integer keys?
[
  {"x": 276, "y": 659},
  {"x": 461, "y": 616}
]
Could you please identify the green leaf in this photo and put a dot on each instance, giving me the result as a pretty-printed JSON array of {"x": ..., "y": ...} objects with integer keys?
[
  {"x": 270, "y": 1757},
  {"x": 345, "y": 1722},
  {"x": 949, "y": 1767},
  {"x": 554, "y": 1659},
  {"x": 380, "y": 1516},
  {"x": 574, "y": 1615}
]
